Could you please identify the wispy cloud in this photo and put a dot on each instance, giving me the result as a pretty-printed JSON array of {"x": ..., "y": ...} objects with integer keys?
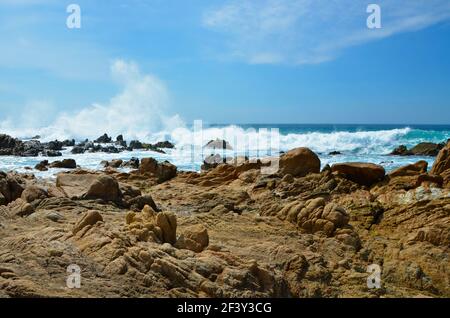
[{"x": 310, "y": 31}]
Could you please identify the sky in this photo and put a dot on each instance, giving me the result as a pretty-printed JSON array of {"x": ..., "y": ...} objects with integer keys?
[{"x": 163, "y": 62}]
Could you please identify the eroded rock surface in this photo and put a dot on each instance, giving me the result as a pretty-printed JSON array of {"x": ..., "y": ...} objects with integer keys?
[{"x": 231, "y": 231}]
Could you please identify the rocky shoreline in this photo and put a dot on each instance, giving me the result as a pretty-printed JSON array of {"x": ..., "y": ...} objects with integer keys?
[
  {"x": 10, "y": 146},
  {"x": 229, "y": 231}
]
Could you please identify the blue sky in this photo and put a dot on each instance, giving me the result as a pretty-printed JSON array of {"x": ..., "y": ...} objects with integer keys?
[{"x": 226, "y": 61}]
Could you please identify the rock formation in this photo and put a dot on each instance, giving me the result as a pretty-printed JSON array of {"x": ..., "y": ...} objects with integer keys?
[{"x": 230, "y": 231}]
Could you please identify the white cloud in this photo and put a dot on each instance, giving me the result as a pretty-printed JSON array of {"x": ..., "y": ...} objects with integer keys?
[{"x": 311, "y": 31}]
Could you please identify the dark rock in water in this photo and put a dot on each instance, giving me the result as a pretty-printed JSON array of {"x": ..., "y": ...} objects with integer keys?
[
  {"x": 30, "y": 148},
  {"x": 10, "y": 146},
  {"x": 219, "y": 144},
  {"x": 65, "y": 164},
  {"x": 115, "y": 163},
  {"x": 68, "y": 143},
  {"x": 83, "y": 143},
  {"x": 120, "y": 141},
  {"x": 132, "y": 163},
  {"x": 164, "y": 144},
  {"x": 136, "y": 144},
  {"x": 109, "y": 149},
  {"x": 153, "y": 148},
  {"x": 8, "y": 142},
  {"x": 51, "y": 153},
  {"x": 335, "y": 153},
  {"x": 54, "y": 145},
  {"x": 78, "y": 150},
  {"x": 36, "y": 137},
  {"x": 421, "y": 149},
  {"x": 91, "y": 147},
  {"x": 212, "y": 161},
  {"x": 105, "y": 139},
  {"x": 42, "y": 166},
  {"x": 427, "y": 149},
  {"x": 401, "y": 151}
]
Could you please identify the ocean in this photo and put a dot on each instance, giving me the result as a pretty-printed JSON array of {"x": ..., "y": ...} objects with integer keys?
[{"x": 356, "y": 143}]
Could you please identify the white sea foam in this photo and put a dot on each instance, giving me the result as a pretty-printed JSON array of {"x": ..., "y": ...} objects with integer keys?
[
  {"x": 361, "y": 142},
  {"x": 137, "y": 112}
]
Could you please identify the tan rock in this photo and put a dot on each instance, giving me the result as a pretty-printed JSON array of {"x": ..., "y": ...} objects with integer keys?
[
  {"x": 32, "y": 193},
  {"x": 90, "y": 218},
  {"x": 167, "y": 222},
  {"x": 441, "y": 165},
  {"x": 163, "y": 171},
  {"x": 299, "y": 162},
  {"x": 410, "y": 170},
  {"x": 20, "y": 207},
  {"x": 362, "y": 173},
  {"x": 89, "y": 186},
  {"x": 194, "y": 238}
]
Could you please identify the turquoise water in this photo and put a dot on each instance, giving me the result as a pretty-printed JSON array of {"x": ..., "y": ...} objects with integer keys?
[{"x": 363, "y": 143}]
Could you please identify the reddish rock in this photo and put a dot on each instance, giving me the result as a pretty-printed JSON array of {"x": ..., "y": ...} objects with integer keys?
[
  {"x": 362, "y": 173},
  {"x": 299, "y": 162}
]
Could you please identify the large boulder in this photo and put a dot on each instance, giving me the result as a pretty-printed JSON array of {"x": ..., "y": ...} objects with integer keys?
[
  {"x": 104, "y": 139},
  {"x": 8, "y": 142},
  {"x": 426, "y": 149},
  {"x": 442, "y": 162},
  {"x": 33, "y": 193},
  {"x": 139, "y": 202},
  {"x": 164, "y": 144},
  {"x": 21, "y": 208},
  {"x": 54, "y": 145},
  {"x": 89, "y": 186},
  {"x": 410, "y": 170},
  {"x": 64, "y": 164},
  {"x": 421, "y": 149},
  {"x": 299, "y": 162},
  {"x": 167, "y": 222},
  {"x": 401, "y": 150},
  {"x": 89, "y": 219},
  {"x": 441, "y": 165},
  {"x": 133, "y": 163},
  {"x": 11, "y": 187},
  {"x": 194, "y": 238},
  {"x": 359, "y": 172},
  {"x": 162, "y": 171}
]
